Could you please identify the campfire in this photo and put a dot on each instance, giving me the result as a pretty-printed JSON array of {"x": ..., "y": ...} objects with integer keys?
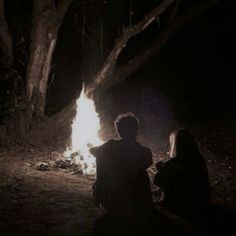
[{"x": 85, "y": 129}]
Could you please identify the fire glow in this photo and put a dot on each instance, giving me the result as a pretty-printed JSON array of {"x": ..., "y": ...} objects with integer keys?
[{"x": 85, "y": 129}]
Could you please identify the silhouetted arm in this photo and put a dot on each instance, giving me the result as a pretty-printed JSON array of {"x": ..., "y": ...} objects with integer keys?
[
  {"x": 166, "y": 173},
  {"x": 94, "y": 151},
  {"x": 160, "y": 177},
  {"x": 98, "y": 151},
  {"x": 148, "y": 159}
]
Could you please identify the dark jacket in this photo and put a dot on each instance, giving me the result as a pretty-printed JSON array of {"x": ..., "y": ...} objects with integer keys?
[
  {"x": 184, "y": 181},
  {"x": 122, "y": 183}
]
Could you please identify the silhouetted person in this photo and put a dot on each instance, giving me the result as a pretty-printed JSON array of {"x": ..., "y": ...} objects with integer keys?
[
  {"x": 184, "y": 178},
  {"x": 122, "y": 186}
]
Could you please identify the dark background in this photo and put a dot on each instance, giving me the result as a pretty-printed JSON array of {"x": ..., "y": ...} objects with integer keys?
[
  {"x": 189, "y": 82},
  {"x": 193, "y": 73}
]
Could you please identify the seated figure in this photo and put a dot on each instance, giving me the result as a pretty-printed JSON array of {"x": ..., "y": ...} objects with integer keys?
[
  {"x": 184, "y": 178},
  {"x": 122, "y": 185}
]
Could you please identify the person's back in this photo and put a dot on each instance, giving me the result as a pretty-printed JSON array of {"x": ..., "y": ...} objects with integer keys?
[
  {"x": 122, "y": 185},
  {"x": 122, "y": 181},
  {"x": 184, "y": 180}
]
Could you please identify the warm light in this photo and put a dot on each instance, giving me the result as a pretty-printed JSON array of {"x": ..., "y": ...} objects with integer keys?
[{"x": 85, "y": 128}]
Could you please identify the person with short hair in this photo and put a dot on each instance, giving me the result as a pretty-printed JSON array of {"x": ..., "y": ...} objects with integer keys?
[{"x": 122, "y": 184}]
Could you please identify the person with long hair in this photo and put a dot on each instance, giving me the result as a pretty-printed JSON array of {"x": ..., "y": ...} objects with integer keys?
[{"x": 184, "y": 178}]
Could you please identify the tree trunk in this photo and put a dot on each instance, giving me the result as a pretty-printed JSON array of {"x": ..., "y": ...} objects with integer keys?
[
  {"x": 61, "y": 122},
  {"x": 5, "y": 38},
  {"x": 47, "y": 18},
  {"x": 43, "y": 41}
]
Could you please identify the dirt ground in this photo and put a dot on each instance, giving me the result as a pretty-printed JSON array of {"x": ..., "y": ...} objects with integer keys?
[
  {"x": 57, "y": 201},
  {"x": 37, "y": 202}
]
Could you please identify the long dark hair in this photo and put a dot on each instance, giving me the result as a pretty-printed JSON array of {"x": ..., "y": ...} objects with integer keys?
[
  {"x": 184, "y": 148},
  {"x": 182, "y": 144}
]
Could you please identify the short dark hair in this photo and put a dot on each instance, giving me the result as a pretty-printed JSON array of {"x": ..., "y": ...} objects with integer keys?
[{"x": 127, "y": 125}]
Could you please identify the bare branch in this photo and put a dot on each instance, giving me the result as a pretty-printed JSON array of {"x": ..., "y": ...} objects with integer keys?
[
  {"x": 5, "y": 37},
  {"x": 175, "y": 10},
  {"x": 62, "y": 8},
  {"x": 109, "y": 65},
  {"x": 180, "y": 21},
  {"x": 2, "y": 12}
]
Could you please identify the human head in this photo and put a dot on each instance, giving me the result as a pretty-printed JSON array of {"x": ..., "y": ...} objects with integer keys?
[
  {"x": 127, "y": 126},
  {"x": 182, "y": 144}
]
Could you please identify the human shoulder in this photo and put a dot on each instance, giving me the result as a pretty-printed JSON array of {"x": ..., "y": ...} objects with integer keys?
[
  {"x": 144, "y": 148},
  {"x": 173, "y": 162},
  {"x": 173, "y": 167},
  {"x": 147, "y": 154},
  {"x": 165, "y": 173},
  {"x": 97, "y": 151}
]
